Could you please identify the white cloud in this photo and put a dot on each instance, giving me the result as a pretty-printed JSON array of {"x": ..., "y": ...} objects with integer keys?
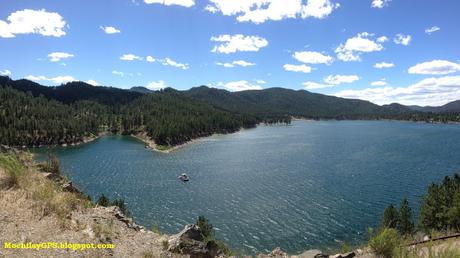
[
  {"x": 55, "y": 80},
  {"x": 157, "y": 85},
  {"x": 379, "y": 83},
  {"x": 383, "y": 65},
  {"x": 318, "y": 8},
  {"x": 130, "y": 57},
  {"x": 402, "y": 39},
  {"x": 211, "y": 9},
  {"x": 353, "y": 47},
  {"x": 311, "y": 57},
  {"x": 382, "y": 39},
  {"x": 227, "y": 65},
  {"x": 315, "y": 85},
  {"x": 431, "y": 30},
  {"x": 5, "y": 72},
  {"x": 57, "y": 56},
  {"x": 297, "y": 68},
  {"x": 238, "y": 42},
  {"x": 331, "y": 81},
  {"x": 379, "y": 3},
  {"x": 92, "y": 82},
  {"x": 429, "y": 91},
  {"x": 241, "y": 63},
  {"x": 436, "y": 67},
  {"x": 118, "y": 73},
  {"x": 170, "y": 62},
  {"x": 239, "y": 85},
  {"x": 259, "y": 11},
  {"x": 32, "y": 21},
  {"x": 184, "y": 3},
  {"x": 150, "y": 59},
  {"x": 261, "y": 81},
  {"x": 110, "y": 30},
  {"x": 339, "y": 79}
]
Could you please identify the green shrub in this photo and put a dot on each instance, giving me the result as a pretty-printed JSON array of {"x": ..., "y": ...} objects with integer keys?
[
  {"x": 224, "y": 248},
  {"x": 54, "y": 166},
  {"x": 345, "y": 248},
  {"x": 208, "y": 234},
  {"x": 13, "y": 169},
  {"x": 206, "y": 228},
  {"x": 384, "y": 244},
  {"x": 156, "y": 229},
  {"x": 103, "y": 201}
]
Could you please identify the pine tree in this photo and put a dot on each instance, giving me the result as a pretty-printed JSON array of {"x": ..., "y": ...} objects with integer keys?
[
  {"x": 405, "y": 225},
  {"x": 390, "y": 217}
]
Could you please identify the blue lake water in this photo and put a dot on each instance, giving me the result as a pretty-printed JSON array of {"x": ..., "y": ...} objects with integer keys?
[{"x": 308, "y": 185}]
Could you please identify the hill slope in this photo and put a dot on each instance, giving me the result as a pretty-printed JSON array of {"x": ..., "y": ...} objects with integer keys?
[
  {"x": 453, "y": 106},
  {"x": 73, "y": 91},
  {"x": 280, "y": 101}
]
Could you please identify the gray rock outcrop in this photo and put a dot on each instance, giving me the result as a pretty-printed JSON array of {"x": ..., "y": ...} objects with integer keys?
[{"x": 190, "y": 241}]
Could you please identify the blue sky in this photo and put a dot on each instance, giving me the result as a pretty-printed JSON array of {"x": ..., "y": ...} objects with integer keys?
[{"x": 326, "y": 46}]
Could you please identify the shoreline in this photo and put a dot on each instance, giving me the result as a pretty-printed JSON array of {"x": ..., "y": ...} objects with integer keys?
[{"x": 151, "y": 145}]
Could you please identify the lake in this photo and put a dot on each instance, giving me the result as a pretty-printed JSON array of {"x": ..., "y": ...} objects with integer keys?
[{"x": 308, "y": 185}]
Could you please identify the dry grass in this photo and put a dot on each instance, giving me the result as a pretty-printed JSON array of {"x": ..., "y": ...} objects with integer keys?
[
  {"x": 447, "y": 249},
  {"x": 49, "y": 196}
]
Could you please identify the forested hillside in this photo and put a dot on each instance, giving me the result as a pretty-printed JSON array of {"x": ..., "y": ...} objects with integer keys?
[
  {"x": 301, "y": 103},
  {"x": 32, "y": 114},
  {"x": 50, "y": 118},
  {"x": 280, "y": 101}
]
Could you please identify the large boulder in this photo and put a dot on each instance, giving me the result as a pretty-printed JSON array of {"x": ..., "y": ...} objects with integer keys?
[{"x": 190, "y": 241}]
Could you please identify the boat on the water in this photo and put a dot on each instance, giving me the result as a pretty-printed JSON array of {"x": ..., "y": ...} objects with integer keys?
[{"x": 183, "y": 177}]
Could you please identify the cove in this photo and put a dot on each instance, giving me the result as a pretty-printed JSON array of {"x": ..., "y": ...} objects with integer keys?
[{"x": 308, "y": 185}]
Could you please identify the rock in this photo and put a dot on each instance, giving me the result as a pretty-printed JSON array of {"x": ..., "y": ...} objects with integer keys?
[
  {"x": 345, "y": 255},
  {"x": 70, "y": 188},
  {"x": 276, "y": 253},
  {"x": 311, "y": 254},
  {"x": 188, "y": 241},
  {"x": 115, "y": 210},
  {"x": 51, "y": 176}
]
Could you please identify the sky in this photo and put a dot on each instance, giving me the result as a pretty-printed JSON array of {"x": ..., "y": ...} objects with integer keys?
[{"x": 383, "y": 51}]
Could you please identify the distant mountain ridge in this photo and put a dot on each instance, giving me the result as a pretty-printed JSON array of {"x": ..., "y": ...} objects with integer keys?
[
  {"x": 73, "y": 91},
  {"x": 281, "y": 101},
  {"x": 453, "y": 106},
  {"x": 141, "y": 89},
  {"x": 273, "y": 101}
]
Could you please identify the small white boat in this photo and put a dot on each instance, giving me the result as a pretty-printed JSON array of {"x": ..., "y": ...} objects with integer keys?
[{"x": 183, "y": 177}]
